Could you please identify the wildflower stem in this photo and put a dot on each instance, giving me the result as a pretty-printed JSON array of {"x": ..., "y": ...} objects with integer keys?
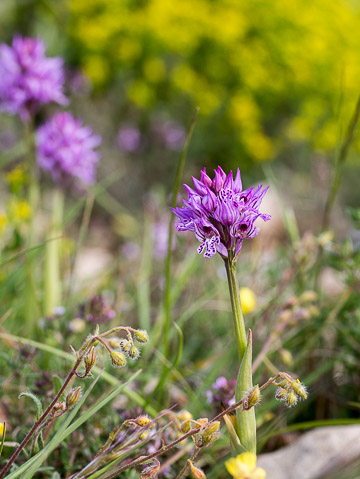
[
  {"x": 238, "y": 317},
  {"x": 246, "y": 425},
  {"x": 186, "y": 466},
  {"x": 52, "y": 297},
  {"x": 31, "y": 305}
]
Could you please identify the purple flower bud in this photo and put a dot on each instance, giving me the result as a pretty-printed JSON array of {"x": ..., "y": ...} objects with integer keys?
[
  {"x": 27, "y": 78},
  {"x": 66, "y": 149},
  {"x": 220, "y": 214}
]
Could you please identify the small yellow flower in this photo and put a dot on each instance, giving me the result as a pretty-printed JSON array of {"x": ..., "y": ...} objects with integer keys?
[
  {"x": 2, "y": 429},
  {"x": 248, "y": 300},
  {"x": 3, "y": 221},
  {"x": 244, "y": 467},
  {"x": 20, "y": 210},
  {"x": 17, "y": 178}
]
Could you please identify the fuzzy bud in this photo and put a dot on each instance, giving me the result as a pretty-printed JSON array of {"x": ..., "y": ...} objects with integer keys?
[
  {"x": 299, "y": 389},
  {"x": 185, "y": 426},
  {"x": 118, "y": 360},
  {"x": 142, "y": 421},
  {"x": 72, "y": 397},
  {"x": 125, "y": 345},
  {"x": 133, "y": 352},
  {"x": 291, "y": 399},
  {"x": 90, "y": 359},
  {"x": 202, "y": 421},
  {"x": 205, "y": 440},
  {"x": 196, "y": 472},
  {"x": 253, "y": 396},
  {"x": 281, "y": 394},
  {"x": 211, "y": 428},
  {"x": 141, "y": 336}
]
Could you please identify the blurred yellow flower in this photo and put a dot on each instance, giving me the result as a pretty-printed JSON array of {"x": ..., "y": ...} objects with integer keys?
[
  {"x": 19, "y": 210},
  {"x": 3, "y": 221},
  {"x": 2, "y": 428},
  {"x": 244, "y": 467},
  {"x": 17, "y": 178},
  {"x": 248, "y": 300}
]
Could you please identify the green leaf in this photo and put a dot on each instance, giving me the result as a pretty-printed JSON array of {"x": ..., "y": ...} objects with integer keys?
[
  {"x": 246, "y": 423},
  {"x": 36, "y": 400}
]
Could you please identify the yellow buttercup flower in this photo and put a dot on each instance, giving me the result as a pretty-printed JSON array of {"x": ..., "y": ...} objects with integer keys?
[
  {"x": 244, "y": 467},
  {"x": 2, "y": 429},
  {"x": 248, "y": 300}
]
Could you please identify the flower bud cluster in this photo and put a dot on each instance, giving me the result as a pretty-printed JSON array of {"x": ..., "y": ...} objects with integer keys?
[
  {"x": 208, "y": 430},
  {"x": 290, "y": 392},
  {"x": 126, "y": 347}
]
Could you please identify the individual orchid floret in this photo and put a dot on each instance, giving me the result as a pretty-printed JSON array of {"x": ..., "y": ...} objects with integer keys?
[
  {"x": 221, "y": 213},
  {"x": 66, "y": 149},
  {"x": 28, "y": 78}
]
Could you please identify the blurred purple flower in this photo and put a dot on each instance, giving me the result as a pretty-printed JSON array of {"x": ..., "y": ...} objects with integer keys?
[
  {"x": 27, "y": 78},
  {"x": 97, "y": 311},
  {"x": 160, "y": 234},
  {"x": 222, "y": 390},
  {"x": 173, "y": 135},
  {"x": 129, "y": 138},
  {"x": 220, "y": 213},
  {"x": 66, "y": 149}
]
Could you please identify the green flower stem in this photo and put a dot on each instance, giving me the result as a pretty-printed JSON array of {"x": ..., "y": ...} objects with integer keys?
[
  {"x": 31, "y": 307},
  {"x": 238, "y": 317},
  {"x": 246, "y": 424},
  {"x": 52, "y": 286}
]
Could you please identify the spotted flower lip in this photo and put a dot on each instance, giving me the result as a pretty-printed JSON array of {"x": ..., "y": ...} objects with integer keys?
[
  {"x": 66, "y": 149},
  {"x": 28, "y": 78},
  {"x": 220, "y": 212}
]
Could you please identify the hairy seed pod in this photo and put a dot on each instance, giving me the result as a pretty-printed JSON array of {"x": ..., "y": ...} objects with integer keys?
[
  {"x": 281, "y": 394},
  {"x": 141, "y": 336},
  {"x": 253, "y": 396},
  {"x": 299, "y": 389},
  {"x": 90, "y": 359},
  {"x": 72, "y": 397},
  {"x": 125, "y": 345},
  {"x": 185, "y": 426},
  {"x": 118, "y": 360},
  {"x": 133, "y": 352},
  {"x": 291, "y": 399}
]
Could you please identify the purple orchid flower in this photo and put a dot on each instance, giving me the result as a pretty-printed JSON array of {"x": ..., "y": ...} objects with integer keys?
[
  {"x": 221, "y": 213},
  {"x": 27, "y": 78}
]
